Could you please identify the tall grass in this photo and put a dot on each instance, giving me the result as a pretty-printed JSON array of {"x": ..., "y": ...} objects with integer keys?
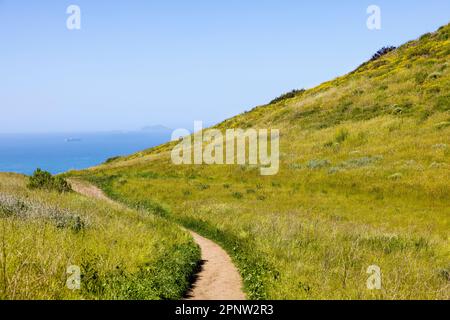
[{"x": 122, "y": 254}]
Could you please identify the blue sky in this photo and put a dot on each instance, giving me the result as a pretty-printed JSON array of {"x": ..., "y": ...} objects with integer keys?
[{"x": 139, "y": 63}]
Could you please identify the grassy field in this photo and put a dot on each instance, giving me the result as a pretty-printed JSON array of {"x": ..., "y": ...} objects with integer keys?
[
  {"x": 122, "y": 254},
  {"x": 364, "y": 180}
]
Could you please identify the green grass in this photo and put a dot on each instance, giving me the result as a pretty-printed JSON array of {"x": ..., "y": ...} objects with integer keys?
[
  {"x": 364, "y": 180},
  {"x": 123, "y": 254}
]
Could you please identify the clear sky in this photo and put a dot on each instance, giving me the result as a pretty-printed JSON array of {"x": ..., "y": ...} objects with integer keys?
[{"x": 139, "y": 63}]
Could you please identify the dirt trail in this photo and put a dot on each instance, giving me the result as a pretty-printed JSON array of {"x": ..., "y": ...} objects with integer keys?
[{"x": 218, "y": 278}]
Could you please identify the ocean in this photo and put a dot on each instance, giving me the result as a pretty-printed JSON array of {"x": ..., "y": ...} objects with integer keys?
[{"x": 57, "y": 153}]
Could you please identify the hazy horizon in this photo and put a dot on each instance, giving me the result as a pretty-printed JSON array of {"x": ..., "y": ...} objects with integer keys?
[{"x": 92, "y": 131}]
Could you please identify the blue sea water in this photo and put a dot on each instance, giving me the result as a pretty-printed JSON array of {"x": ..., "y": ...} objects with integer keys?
[{"x": 57, "y": 153}]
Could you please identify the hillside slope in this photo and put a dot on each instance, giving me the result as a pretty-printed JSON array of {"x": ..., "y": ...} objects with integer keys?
[{"x": 364, "y": 180}]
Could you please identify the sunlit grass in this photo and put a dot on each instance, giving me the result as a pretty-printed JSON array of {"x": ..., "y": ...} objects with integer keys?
[{"x": 123, "y": 254}]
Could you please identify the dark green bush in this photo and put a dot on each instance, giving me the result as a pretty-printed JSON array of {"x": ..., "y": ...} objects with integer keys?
[
  {"x": 341, "y": 135},
  {"x": 112, "y": 159},
  {"x": 375, "y": 57},
  {"x": 288, "y": 95},
  {"x": 382, "y": 52},
  {"x": 237, "y": 195},
  {"x": 45, "y": 181}
]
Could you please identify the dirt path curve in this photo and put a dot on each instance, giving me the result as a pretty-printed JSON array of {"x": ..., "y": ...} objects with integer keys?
[{"x": 218, "y": 278}]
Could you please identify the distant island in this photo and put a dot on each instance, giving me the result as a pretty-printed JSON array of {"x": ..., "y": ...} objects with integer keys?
[{"x": 156, "y": 128}]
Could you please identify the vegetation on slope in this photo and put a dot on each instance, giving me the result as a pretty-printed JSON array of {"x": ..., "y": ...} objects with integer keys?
[
  {"x": 364, "y": 180},
  {"x": 122, "y": 254},
  {"x": 46, "y": 181}
]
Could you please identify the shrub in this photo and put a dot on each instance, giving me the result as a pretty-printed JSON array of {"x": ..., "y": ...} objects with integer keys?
[
  {"x": 376, "y": 56},
  {"x": 341, "y": 135},
  {"x": 445, "y": 274},
  {"x": 61, "y": 185},
  {"x": 382, "y": 52},
  {"x": 13, "y": 207},
  {"x": 112, "y": 159},
  {"x": 45, "y": 181},
  {"x": 288, "y": 95},
  {"x": 203, "y": 186},
  {"x": 237, "y": 195}
]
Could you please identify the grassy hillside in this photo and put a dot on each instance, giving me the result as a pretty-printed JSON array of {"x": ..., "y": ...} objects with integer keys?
[
  {"x": 122, "y": 254},
  {"x": 364, "y": 180}
]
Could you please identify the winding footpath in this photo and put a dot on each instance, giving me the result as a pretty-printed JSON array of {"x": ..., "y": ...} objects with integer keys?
[{"x": 218, "y": 278}]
